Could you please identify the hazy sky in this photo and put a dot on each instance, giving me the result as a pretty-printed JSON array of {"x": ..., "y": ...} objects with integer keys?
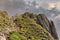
[{"x": 51, "y": 8}]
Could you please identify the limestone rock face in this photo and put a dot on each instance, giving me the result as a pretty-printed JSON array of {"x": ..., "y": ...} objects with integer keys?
[{"x": 48, "y": 25}]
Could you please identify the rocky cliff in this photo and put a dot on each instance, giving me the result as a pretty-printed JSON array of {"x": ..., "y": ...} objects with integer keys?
[
  {"x": 48, "y": 25},
  {"x": 27, "y": 26},
  {"x": 53, "y": 30}
]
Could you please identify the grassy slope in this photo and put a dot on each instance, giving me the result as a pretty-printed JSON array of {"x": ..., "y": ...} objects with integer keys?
[
  {"x": 5, "y": 21},
  {"x": 30, "y": 30}
]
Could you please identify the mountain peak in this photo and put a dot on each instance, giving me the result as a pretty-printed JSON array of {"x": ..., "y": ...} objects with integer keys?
[{"x": 27, "y": 26}]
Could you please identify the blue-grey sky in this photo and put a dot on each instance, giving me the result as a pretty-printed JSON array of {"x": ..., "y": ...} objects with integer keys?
[{"x": 51, "y": 8}]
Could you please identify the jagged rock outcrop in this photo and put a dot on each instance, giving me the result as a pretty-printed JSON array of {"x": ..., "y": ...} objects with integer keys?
[
  {"x": 29, "y": 29},
  {"x": 27, "y": 26},
  {"x": 48, "y": 25},
  {"x": 43, "y": 21},
  {"x": 53, "y": 30},
  {"x": 28, "y": 14}
]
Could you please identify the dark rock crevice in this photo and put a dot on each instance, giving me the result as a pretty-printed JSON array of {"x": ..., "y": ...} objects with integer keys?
[{"x": 53, "y": 30}]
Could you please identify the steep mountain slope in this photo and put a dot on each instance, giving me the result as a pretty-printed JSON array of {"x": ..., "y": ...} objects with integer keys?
[
  {"x": 24, "y": 27},
  {"x": 47, "y": 24},
  {"x": 6, "y": 24},
  {"x": 30, "y": 29},
  {"x": 5, "y": 21}
]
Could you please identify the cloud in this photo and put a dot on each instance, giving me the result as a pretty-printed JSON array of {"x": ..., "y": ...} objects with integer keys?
[
  {"x": 57, "y": 17},
  {"x": 15, "y": 4},
  {"x": 29, "y": 0},
  {"x": 58, "y": 5},
  {"x": 12, "y": 4},
  {"x": 50, "y": 1},
  {"x": 48, "y": 6}
]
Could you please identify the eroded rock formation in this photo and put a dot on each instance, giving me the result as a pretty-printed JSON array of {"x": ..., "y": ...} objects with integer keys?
[
  {"x": 27, "y": 26},
  {"x": 42, "y": 20},
  {"x": 48, "y": 25},
  {"x": 53, "y": 30}
]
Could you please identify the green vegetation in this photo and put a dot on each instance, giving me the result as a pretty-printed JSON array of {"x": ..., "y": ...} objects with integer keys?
[
  {"x": 16, "y": 36},
  {"x": 5, "y": 21},
  {"x": 28, "y": 28},
  {"x": 31, "y": 30}
]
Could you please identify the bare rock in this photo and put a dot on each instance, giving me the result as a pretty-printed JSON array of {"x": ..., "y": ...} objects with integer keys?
[
  {"x": 48, "y": 25},
  {"x": 53, "y": 30},
  {"x": 28, "y": 14},
  {"x": 43, "y": 21}
]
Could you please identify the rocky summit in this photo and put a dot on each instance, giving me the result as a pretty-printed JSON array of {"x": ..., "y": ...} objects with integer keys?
[{"x": 27, "y": 26}]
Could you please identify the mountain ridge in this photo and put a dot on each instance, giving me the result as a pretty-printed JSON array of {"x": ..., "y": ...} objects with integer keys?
[{"x": 27, "y": 26}]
